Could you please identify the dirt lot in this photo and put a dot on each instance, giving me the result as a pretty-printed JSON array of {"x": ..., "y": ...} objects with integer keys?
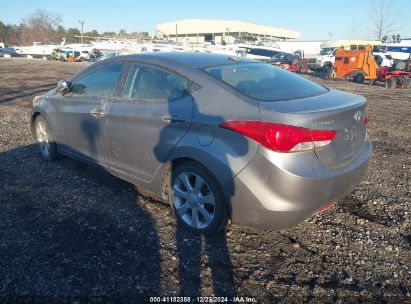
[{"x": 72, "y": 233}]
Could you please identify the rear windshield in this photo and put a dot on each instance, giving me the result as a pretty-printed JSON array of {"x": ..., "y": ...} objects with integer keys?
[{"x": 265, "y": 82}]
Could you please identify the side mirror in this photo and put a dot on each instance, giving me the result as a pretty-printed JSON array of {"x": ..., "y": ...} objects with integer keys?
[{"x": 63, "y": 87}]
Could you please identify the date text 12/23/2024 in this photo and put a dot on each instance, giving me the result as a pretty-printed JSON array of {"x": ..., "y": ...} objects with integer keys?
[{"x": 202, "y": 300}]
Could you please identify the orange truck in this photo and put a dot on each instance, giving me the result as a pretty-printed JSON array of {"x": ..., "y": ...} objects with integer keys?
[{"x": 357, "y": 64}]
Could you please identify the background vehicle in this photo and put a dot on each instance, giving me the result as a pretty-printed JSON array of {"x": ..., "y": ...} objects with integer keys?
[
  {"x": 360, "y": 65},
  {"x": 383, "y": 60},
  {"x": 397, "y": 47},
  {"x": 355, "y": 64},
  {"x": 398, "y": 76},
  {"x": 218, "y": 137},
  {"x": 82, "y": 55},
  {"x": 328, "y": 49},
  {"x": 284, "y": 58},
  {"x": 7, "y": 51},
  {"x": 323, "y": 62},
  {"x": 289, "y": 62},
  {"x": 61, "y": 54}
]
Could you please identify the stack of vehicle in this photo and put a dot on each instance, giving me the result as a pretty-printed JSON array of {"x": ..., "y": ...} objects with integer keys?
[
  {"x": 363, "y": 60},
  {"x": 361, "y": 64},
  {"x": 69, "y": 54}
]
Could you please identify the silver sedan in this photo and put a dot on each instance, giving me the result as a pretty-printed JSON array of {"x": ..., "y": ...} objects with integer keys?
[{"x": 221, "y": 138}]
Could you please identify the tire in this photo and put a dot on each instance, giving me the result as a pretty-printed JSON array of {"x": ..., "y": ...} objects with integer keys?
[
  {"x": 405, "y": 82},
  {"x": 359, "y": 78},
  {"x": 197, "y": 199},
  {"x": 326, "y": 67},
  {"x": 330, "y": 73},
  {"x": 389, "y": 83},
  {"x": 45, "y": 138}
]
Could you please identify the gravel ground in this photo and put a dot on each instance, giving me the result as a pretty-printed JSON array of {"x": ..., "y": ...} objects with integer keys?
[{"x": 73, "y": 233}]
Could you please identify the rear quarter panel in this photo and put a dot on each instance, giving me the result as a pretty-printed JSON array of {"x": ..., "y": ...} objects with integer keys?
[{"x": 224, "y": 153}]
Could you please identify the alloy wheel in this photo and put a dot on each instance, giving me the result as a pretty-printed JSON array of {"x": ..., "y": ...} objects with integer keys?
[
  {"x": 42, "y": 137},
  {"x": 193, "y": 200}
]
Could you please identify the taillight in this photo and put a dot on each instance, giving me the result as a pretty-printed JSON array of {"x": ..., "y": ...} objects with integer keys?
[
  {"x": 365, "y": 121},
  {"x": 279, "y": 137}
]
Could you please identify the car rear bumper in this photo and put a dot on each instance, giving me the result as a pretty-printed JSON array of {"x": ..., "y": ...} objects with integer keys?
[{"x": 280, "y": 190}]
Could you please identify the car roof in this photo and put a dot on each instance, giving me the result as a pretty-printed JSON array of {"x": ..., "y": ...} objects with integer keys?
[{"x": 186, "y": 59}]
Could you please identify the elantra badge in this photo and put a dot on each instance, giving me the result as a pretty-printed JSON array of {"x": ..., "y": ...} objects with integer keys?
[{"x": 357, "y": 115}]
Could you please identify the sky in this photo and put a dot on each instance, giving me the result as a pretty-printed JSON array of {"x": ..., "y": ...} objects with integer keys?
[{"x": 314, "y": 19}]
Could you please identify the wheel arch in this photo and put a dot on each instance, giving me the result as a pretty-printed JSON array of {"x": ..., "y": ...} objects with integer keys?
[
  {"x": 36, "y": 112},
  {"x": 34, "y": 115},
  {"x": 221, "y": 172}
]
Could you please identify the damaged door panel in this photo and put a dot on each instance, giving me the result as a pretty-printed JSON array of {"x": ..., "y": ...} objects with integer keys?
[{"x": 152, "y": 114}]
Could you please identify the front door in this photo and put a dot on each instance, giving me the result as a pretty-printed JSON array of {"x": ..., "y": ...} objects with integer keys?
[
  {"x": 147, "y": 121},
  {"x": 81, "y": 119}
]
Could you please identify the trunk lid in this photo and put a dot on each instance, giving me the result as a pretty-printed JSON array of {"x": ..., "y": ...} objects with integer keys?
[{"x": 335, "y": 110}]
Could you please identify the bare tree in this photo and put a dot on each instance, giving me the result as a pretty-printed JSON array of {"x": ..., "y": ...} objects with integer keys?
[
  {"x": 4, "y": 32},
  {"x": 40, "y": 26},
  {"x": 383, "y": 19}
]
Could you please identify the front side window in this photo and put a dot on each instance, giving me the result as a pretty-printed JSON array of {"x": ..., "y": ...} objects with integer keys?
[
  {"x": 265, "y": 82},
  {"x": 326, "y": 51},
  {"x": 100, "y": 82},
  {"x": 146, "y": 82}
]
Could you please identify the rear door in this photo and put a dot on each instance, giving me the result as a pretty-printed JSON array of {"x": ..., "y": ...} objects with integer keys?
[
  {"x": 147, "y": 121},
  {"x": 81, "y": 120}
]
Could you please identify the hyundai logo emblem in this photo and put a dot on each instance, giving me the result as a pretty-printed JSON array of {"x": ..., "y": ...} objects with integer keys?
[{"x": 357, "y": 115}]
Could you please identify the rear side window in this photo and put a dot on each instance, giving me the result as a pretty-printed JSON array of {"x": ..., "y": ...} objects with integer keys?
[
  {"x": 100, "y": 82},
  {"x": 146, "y": 82},
  {"x": 265, "y": 82}
]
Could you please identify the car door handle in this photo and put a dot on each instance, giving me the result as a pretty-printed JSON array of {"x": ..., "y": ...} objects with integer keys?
[
  {"x": 97, "y": 112},
  {"x": 173, "y": 119}
]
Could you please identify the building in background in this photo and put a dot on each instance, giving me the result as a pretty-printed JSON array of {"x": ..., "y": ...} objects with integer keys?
[{"x": 221, "y": 31}]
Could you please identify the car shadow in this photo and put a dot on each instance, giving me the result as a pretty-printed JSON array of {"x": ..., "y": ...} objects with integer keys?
[
  {"x": 72, "y": 232},
  {"x": 29, "y": 91},
  {"x": 198, "y": 253},
  {"x": 104, "y": 257}
]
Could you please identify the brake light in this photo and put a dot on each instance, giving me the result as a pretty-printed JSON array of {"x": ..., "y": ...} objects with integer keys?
[
  {"x": 279, "y": 137},
  {"x": 365, "y": 121}
]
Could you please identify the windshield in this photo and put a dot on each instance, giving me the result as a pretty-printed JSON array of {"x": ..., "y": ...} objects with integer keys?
[
  {"x": 280, "y": 56},
  {"x": 265, "y": 82},
  {"x": 326, "y": 51}
]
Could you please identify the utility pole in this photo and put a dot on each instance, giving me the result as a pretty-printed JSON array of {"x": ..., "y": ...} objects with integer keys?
[
  {"x": 330, "y": 35},
  {"x": 228, "y": 35},
  {"x": 176, "y": 33},
  {"x": 81, "y": 23}
]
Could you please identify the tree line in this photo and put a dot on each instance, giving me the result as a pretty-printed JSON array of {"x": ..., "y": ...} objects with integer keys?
[{"x": 45, "y": 27}]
